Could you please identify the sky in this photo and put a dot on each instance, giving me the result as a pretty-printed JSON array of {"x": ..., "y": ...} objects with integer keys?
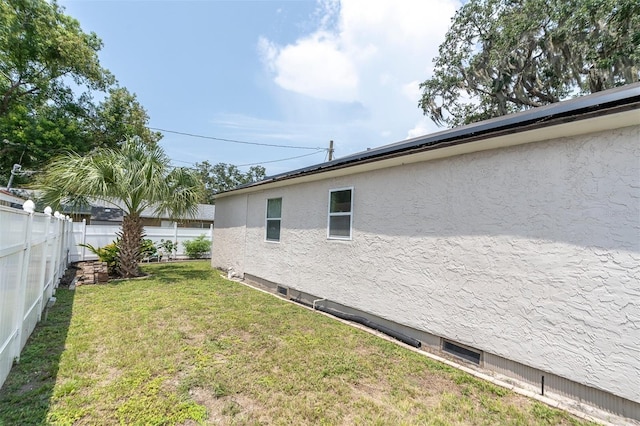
[{"x": 290, "y": 73}]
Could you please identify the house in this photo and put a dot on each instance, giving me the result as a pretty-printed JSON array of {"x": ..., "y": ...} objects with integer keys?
[
  {"x": 99, "y": 212},
  {"x": 102, "y": 213},
  {"x": 7, "y": 198},
  {"x": 512, "y": 244}
]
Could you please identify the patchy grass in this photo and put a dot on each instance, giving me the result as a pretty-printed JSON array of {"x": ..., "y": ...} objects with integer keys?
[{"x": 189, "y": 347}]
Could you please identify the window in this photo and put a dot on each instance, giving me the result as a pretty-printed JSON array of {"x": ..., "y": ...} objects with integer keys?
[
  {"x": 274, "y": 217},
  {"x": 340, "y": 213}
]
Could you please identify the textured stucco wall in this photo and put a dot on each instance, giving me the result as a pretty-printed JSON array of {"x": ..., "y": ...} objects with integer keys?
[
  {"x": 228, "y": 249},
  {"x": 530, "y": 252}
]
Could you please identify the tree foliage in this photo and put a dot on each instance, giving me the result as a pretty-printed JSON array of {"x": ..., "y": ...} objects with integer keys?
[
  {"x": 503, "y": 56},
  {"x": 223, "y": 177},
  {"x": 135, "y": 177},
  {"x": 41, "y": 52},
  {"x": 40, "y": 47},
  {"x": 31, "y": 135},
  {"x": 119, "y": 117},
  {"x": 34, "y": 134}
]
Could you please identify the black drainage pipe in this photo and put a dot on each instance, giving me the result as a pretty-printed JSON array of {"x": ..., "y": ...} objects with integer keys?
[{"x": 361, "y": 320}]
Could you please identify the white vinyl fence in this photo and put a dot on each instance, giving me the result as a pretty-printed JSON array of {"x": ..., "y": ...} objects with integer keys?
[
  {"x": 101, "y": 235},
  {"x": 34, "y": 253},
  {"x": 35, "y": 249}
]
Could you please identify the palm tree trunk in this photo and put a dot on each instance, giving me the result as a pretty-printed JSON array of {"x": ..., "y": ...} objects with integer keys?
[{"x": 130, "y": 240}]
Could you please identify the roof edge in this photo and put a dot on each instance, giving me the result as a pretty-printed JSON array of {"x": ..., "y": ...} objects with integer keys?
[{"x": 613, "y": 101}]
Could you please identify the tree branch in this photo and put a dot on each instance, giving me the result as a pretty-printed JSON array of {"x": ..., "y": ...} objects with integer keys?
[{"x": 7, "y": 96}]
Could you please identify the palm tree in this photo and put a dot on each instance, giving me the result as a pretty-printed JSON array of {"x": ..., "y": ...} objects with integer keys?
[{"x": 134, "y": 177}]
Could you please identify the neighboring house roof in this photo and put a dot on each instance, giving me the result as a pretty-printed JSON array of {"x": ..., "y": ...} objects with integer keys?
[
  {"x": 205, "y": 211},
  {"x": 107, "y": 214},
  {"x": 8, "y": 197},
  {"x": 102, "y": 210},
  {"x": 621, "y": 99}
]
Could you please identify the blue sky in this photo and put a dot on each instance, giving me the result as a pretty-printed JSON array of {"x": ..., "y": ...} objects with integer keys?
[{"x": 297, "y": 72}]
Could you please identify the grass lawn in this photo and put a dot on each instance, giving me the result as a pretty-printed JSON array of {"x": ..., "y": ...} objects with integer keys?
[{"x": 189, "y": 347}]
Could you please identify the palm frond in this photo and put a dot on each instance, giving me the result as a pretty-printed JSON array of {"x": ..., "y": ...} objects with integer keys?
[{"x": 135, "y": 177}]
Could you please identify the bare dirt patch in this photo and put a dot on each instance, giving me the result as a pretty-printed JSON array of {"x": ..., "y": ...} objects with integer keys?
[{"x": 227, "y": 409}]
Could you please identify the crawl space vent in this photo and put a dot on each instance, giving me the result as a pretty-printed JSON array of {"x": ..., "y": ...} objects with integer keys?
[{"x": 461, "y": 352}]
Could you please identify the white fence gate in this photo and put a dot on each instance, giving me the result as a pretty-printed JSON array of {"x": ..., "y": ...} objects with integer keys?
[
  {"x": 101, "y": 235},
  {"x": 34, "y": 253}
]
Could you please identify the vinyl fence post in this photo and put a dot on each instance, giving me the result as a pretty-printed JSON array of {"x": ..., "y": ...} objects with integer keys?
[
  {"x": 69, "y": 241},
  {"x": 64, "y": 249},
  {"x": 50, "y": 248},
  {"x": 57, "y": 249},
  {"x": 42, "y": 280},
  {"x": 22, "y": 287},
  {"x": 175, "y": 238},
  {"x": 83, "y": 239}
]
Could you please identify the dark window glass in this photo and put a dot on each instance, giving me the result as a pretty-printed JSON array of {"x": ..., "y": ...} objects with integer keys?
[
  {"x": 274, "y": 218},
  {"x": 340, "y": 226},
  {"x": 274, "y": 208},
  {"x": 273, "y": 230},
  {"x": 341, "y": 201}
]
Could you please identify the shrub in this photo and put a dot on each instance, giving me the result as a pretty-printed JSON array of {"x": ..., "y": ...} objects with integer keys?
[
  {"x": 148, "y": 249},
  {"x": 167, "y": 247},
  {"x": 110, "y": 252},
  {"x": 198, "y": 247},
  {"x": 107, "y": 254}
]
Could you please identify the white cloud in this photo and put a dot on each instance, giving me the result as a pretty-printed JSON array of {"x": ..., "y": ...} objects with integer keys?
[
  {"x": 412, "y": 91},
  {"x": 317, "y": 67},
  {"x": 370, "y": 52},
  {"x": 422, "y": 127},
  {"x": 268, "y": 52}
]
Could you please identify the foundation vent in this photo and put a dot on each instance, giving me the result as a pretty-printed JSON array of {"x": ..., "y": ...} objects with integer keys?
[
  {"x": 461, "y": 352},
  {"x": 282, "y": 290}
]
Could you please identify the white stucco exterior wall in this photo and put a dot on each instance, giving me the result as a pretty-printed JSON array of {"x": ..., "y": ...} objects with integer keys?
[
  {"x": 228, "y": 247},
  {"x": 530, "y": 252}
]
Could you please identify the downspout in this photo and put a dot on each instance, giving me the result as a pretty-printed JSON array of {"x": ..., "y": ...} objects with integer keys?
[
  {"x": 367, "y": 323},
  {"x": 317, "y": 300},
  {"x": 244, "y": 247}
]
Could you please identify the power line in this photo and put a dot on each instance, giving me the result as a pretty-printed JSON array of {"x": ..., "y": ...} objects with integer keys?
[
  {"x": 236, "y": 141},
  {"x": 284, "y": 159},
  {"x": 181, "y": 161},
  {"x": 255, "y": 164}
]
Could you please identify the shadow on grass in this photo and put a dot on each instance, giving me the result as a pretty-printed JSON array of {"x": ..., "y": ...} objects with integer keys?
[
  {"x": 26, "y": 394},
  {"x": 171, "y": 272}
]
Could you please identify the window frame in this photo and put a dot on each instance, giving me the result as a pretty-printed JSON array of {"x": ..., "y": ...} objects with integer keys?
[
  {"x": 338, "y": 214},
  {"x": 267, "y": 219}
]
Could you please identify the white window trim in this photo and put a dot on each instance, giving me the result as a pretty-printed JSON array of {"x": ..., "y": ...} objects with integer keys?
[
  {"x": 267, "y": 219},
  {"x": 329, "y": 215}
]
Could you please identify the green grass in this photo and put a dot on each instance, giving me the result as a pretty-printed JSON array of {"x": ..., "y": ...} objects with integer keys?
[{"x": 188, "y": 347}]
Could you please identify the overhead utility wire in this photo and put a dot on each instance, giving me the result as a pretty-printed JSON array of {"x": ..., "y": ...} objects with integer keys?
[
  {"x": 255, "y": 164},
  {"x": 236, "y": 141},
  {"x": 284, "y": 159}
]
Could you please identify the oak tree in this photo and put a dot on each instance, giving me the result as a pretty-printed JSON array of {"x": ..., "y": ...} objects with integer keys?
[
  {"x": 42, "y": 50},
  {"x": 119, "y": 117},
  {"x": 503, "y": 56}
]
